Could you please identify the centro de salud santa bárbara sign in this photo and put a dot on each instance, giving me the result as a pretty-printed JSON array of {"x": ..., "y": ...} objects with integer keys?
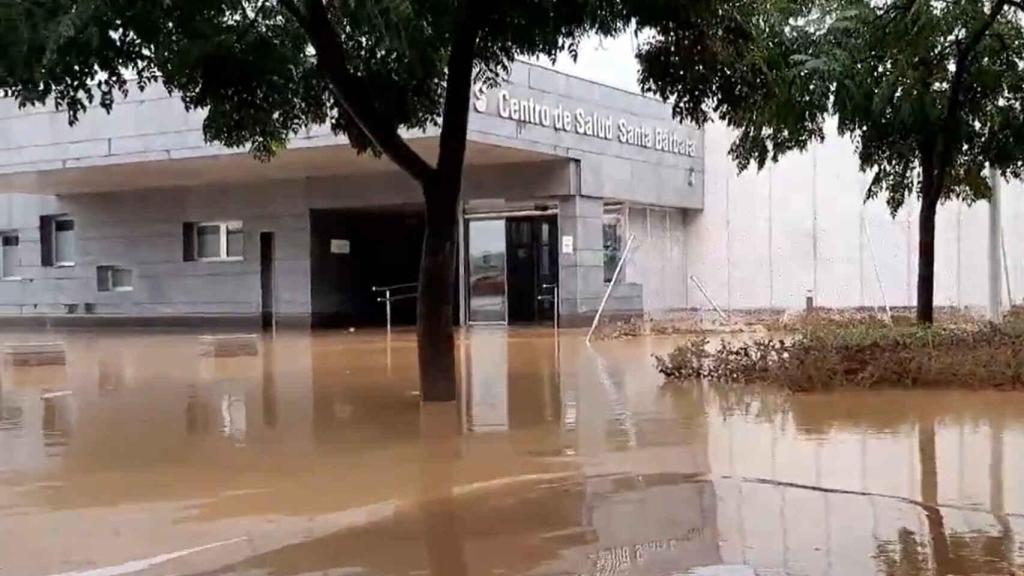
[{"x": 580, "y": 121}]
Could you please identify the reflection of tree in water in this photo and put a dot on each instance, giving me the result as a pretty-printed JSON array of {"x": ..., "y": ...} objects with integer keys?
[
  {"x": 967, "y": 552},
  {"x": 972, "y": 552},
  {"x": 761, "y": 403}
]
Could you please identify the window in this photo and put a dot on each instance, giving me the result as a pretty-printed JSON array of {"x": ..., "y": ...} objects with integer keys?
[
  {"x": 612, "y": 233},
  {"x": 64, "y": 241},
  {"x": 9, "y": 256},
  {"x": 213, "y": 241},
  {"x": 57, "y": 240},
  {"x": 113, "y": 279}
]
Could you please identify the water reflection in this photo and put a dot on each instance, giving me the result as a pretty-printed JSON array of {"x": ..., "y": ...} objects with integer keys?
[
  {"x": 559, "y": 459},
  {"x": 58, "y": 418},
  {"x": 10, "y": 413}
]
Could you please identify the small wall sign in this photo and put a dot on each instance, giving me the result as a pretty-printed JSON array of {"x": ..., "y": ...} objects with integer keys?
[
  {"x": 567, "y": 244},
  {"x": 340, "y": 247}
]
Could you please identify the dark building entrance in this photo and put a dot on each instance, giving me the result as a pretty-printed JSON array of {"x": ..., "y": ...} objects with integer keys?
[
  {"x": 509, "y": 263},
  {"x": 353, "y": 251}
]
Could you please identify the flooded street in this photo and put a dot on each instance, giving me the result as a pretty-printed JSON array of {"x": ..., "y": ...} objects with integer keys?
[{"x": 315, "y": 457}]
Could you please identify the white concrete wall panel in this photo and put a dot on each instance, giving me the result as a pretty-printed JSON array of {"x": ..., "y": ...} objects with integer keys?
[
  {"x": 658, "y": 261},
  {"x": 973, "y": 271},
  {"x": 839, "y": 198},
  {"x": 948, "y": 252},
  {"x": 802, "y": 224},
  {"x": 706, "y": 231},
  {"x": 792, "y": 241}
]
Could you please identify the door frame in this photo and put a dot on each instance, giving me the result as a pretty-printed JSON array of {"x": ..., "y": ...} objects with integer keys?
[
  {"x": 268, "y": 316},
  {"x": 467, "y": 218},
  {"x": 504, "y": 277}
]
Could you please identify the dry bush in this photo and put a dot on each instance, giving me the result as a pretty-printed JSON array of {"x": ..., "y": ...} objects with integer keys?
[{"x": 863, "y": 354}]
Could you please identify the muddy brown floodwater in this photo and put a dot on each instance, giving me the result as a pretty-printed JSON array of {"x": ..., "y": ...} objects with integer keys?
[{"x": 140, "y": 457}]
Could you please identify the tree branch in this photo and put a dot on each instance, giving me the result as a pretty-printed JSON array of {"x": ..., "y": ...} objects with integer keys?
[
  {"x": 955, "y": 98},
  {"x": 455, "y": 117},
  {"x": 1016, "y": 4},
  {"x": 350, "y": 90}
]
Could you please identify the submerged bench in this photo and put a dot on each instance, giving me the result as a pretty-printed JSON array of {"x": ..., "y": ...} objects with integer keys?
[
  {"x": 35, "y": 353},
  {"x": 228, "y": 345}
]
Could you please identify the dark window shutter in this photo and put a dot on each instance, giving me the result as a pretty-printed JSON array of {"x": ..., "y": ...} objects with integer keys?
[
  {"x": 188, "y": 241},
  {"x": 46, "y": 240}
]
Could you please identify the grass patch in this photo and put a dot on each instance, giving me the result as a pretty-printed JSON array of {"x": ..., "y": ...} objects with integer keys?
[{"x": 861, "y": 354}]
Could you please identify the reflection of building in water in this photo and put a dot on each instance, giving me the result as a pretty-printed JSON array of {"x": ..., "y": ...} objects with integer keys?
[
  {"x": 197, "y": 413},
  {"x": 58, "y": 418},
  {"x": 512, "y": 381},
  {"x": 905, "y": 484},
  {"x": 627, "y": 525},
  {"x": 37, "y": 416},
  {"x": 487, "y": 395},
  {"x": 233, "y": 416},
  {"x": 653, "y": 524},
  {"x": 10, "y": 413}
]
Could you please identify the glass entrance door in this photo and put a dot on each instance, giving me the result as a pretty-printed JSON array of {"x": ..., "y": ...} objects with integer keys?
[{"x": 485, "y": 249}]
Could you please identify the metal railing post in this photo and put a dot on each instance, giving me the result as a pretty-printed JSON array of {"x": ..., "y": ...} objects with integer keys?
[
  {"x": 387, "y": 298},
  {"x": 615, "y": 277},
  {"x": 557, "y": 307},
  {"x": 696, "y": 282},
  {"x": 554, "y": 287},
  {"x": 874, "y": 263}
]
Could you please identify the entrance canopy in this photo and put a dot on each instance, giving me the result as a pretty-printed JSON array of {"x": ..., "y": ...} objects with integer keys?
[{"x": 161, "y": 170}]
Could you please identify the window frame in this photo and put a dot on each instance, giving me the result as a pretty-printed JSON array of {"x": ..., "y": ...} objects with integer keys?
[
  {"x": 612, "y": 214},
  {"x": 224, "y": 226},
  {"x": 57, "y": 262},
  {"x": 106, "y": 272},
  {"x": 3, "y": 256}
]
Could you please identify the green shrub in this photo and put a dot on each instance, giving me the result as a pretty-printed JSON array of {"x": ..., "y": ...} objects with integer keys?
[{"x": 865, "y": 354}]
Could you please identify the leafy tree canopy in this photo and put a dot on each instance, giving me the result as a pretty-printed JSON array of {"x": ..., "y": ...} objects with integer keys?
[
  {"x": 252, "y": 63},
  {"x": 931, "y": 91}
]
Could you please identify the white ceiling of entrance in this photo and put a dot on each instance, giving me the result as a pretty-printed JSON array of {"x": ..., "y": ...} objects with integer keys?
[{"x": 240, "y": 167}]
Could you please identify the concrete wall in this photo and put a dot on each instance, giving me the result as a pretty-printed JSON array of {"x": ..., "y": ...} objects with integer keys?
[
  {"x": 764, "y": 239},
  {"x": 658, "y": 258},
  {"x": 142, "y": 230}
]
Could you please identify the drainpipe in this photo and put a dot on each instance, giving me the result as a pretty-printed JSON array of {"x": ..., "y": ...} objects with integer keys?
[{"x": 995, "y": 256}]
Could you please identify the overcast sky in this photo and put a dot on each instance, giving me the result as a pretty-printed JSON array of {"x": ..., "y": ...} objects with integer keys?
[{"x": 608, "y": 61}]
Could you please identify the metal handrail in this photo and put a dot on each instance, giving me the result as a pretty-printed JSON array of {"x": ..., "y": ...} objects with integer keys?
[
  {"x": 608, "y": 291},
  {"x": 700, "y": 286},
  {"x": 388, "y": 298},
  {"x": 553, "y": 297},
  {"x": 393, "y": 287}
]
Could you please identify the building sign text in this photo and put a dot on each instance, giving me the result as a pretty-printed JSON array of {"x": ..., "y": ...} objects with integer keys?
[{"x": 581, "y": 121}]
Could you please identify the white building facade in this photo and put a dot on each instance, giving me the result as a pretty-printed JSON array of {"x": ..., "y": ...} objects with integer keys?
[{"x": 132, "y": 218}]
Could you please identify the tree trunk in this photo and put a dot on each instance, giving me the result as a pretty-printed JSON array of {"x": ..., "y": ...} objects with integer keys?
[
  {"x": 926, "y": 253},
  {"x": 441, "y": 191},
  {"x": 435, "y": 336}
]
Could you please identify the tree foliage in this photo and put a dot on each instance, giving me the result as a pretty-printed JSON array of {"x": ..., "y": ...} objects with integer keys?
[
  {"x": 253, "y": 67},
  {"x": 265, "y": 70},
  {"x": 931, "y": 91},
  {"x": 913, "y": 82}
]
